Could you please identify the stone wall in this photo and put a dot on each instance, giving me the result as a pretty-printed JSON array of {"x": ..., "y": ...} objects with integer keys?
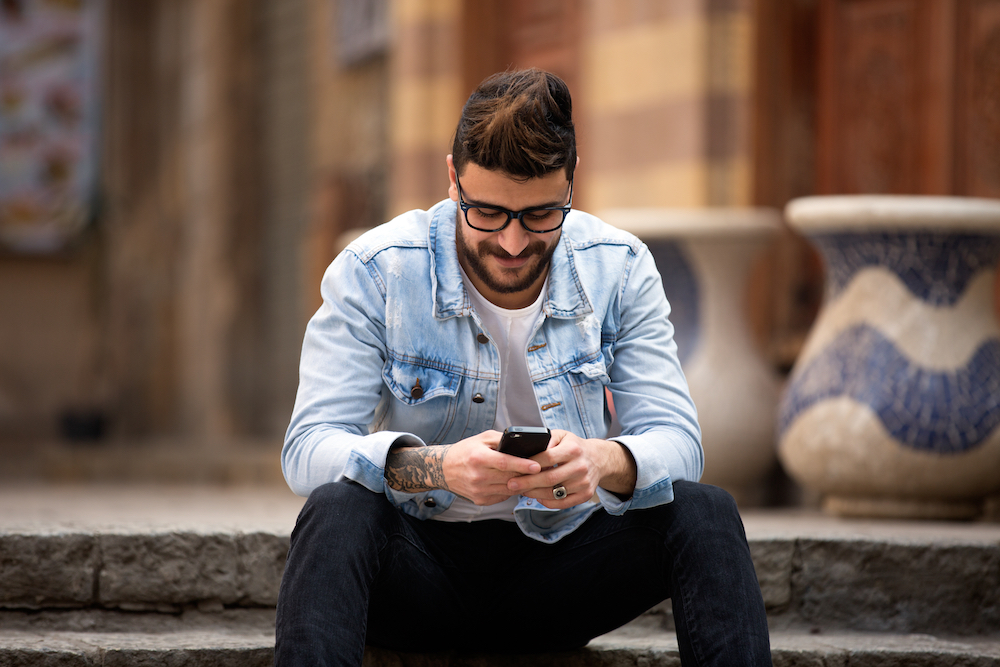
[
  {"x": 668, "y": 88},
  {"x": 180, "y": 312}
]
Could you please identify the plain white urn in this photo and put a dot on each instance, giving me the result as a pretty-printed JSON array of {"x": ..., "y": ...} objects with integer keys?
[{"x": 705, "y": 257}]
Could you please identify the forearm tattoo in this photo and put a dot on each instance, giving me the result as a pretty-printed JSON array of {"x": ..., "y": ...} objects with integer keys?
[{"x": 416, "y": 469}]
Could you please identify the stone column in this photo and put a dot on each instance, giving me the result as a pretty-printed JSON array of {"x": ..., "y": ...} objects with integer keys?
[
  {"x": 426, "y": 99},
  {"x": 206, "y": 292},
  {"x": 288, "y": 173}
]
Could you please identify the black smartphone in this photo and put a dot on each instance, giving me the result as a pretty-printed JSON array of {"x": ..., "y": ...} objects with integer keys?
[{"x": 525, "y": 441}]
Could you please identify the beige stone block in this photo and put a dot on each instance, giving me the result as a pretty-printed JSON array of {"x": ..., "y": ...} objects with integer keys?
[
  {"x": 639, "y": 66},
  {"x": 731, "y": 56},
  {"x": 425, "y": 113},
  {"x": 665, "y": 185},
  {"x": 730, "y": 181},
  {"x": 413, "y": 11}
]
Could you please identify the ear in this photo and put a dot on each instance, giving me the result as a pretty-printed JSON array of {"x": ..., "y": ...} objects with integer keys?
[{"x": 452, "y": 182}]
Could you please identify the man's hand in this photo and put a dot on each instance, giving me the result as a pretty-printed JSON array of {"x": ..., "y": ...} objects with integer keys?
[
  {"x": 471, "y": 468},
  {"x": 580, "y": 466}
]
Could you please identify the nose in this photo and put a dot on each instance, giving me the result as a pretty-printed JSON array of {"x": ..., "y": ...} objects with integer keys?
[{"x": 514, "y": 238}]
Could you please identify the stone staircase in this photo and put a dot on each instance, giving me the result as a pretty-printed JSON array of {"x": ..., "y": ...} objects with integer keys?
[{"x": 189, "y": 576}]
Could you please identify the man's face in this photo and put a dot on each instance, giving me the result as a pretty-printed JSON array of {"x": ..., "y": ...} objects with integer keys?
[{"x": 507, "y": 267}]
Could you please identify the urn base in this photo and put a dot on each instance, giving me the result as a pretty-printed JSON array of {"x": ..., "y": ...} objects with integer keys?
[{"x": 895, "y": 508}]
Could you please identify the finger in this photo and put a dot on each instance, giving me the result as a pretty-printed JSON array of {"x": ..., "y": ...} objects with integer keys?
[
  {"x": 491, "y": 439},
  {"x": 490, "y": 500},
  {"x": 544, "y": 457},
  {"x": 500, "y": 480},
  {"x": 547, "y": 493},
  {"x": 567, "y": 450},
  {"x": 515, "y": 464},
  {"x": 571, "y": 500},
  {"x": 544, "y": 480}
]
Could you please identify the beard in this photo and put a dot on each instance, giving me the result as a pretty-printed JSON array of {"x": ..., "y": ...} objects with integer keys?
[{"x": 505, "y": 281}]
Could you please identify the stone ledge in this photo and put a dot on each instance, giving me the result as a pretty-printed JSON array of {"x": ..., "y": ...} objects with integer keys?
[
  {"x": 635, "y": 644},
  {"x": 167, "y": 549},
  {"x": 160, "y": 572},
  {"x": 861, "y": 584}
]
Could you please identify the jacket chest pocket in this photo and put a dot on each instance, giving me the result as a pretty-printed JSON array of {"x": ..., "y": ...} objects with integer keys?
[
  {"x": 425, "y": 402},
  {"x": 588, "y": 381}
]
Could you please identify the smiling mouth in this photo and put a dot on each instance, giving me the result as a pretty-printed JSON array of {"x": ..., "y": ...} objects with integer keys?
[
  {"x": 510, "y": 262},
  {"x": 506, "y": 260}
]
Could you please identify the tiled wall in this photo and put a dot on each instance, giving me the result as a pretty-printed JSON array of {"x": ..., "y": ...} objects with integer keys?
[{"x": 667, "y": 85}]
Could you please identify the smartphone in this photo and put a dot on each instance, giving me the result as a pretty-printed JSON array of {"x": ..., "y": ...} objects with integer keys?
[{"x": 525, "y": 441}]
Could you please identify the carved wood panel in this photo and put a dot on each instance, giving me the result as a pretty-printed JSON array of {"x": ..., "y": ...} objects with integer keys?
[
  {"x": 978, "y": 99},
  {"x": 909, "y": 97},
  {"x": 869, "y": 113}
]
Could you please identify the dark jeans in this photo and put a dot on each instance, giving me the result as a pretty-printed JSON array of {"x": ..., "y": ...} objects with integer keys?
[{"x": 360, "y": 570}]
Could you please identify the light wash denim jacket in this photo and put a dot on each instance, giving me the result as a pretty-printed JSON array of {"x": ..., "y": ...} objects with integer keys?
[{"x": 395, "y": 312}]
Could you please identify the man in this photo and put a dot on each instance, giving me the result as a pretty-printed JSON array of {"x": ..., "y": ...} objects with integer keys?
[{"x": 501, "y": 307}]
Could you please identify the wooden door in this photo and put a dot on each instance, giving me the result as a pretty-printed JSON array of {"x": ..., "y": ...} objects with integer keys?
[{"x": 909, "y": 97}]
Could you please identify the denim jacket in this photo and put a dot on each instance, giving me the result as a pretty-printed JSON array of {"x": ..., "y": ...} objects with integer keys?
[{"x": 395, "y": 351}]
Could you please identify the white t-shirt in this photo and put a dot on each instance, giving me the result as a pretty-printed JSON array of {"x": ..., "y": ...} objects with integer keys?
[{"x": 511, "y": 330}]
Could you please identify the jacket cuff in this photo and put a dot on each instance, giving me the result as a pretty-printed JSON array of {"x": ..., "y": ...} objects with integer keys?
[{"x": 367, "y": 466}]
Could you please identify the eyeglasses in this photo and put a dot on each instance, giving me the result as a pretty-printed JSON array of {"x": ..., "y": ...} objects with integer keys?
[{"x": 540, "y": 220}]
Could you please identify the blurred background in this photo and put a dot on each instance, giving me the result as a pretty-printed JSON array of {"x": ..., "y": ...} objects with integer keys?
[{"x": 175, "y": 175}]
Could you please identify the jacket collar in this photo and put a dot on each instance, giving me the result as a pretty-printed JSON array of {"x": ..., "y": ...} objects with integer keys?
[{"x": 565, "y": 299}]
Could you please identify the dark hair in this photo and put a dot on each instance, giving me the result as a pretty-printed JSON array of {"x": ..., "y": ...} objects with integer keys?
[{"x": 518, "y": 122}]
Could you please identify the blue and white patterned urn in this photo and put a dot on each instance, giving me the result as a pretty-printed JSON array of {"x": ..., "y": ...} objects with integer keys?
[{"x": 893, "y": 406}]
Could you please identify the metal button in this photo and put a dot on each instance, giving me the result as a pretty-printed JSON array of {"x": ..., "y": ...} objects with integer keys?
[
  {"x": 417, "y": 391},
  {"x": 478, "y": 398},
  {"x": 430, "y": 502},
  {"x": 483, "y": 338}
]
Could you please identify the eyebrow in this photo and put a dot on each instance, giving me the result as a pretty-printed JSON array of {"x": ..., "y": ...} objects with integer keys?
[{"x": 476, "y": 202}]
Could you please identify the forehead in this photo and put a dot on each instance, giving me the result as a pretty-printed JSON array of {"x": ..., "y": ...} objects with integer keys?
[{"x": 484, "y": 186}]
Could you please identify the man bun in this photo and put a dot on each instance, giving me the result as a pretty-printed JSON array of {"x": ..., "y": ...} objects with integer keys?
[{"x": 519, "y": 122}]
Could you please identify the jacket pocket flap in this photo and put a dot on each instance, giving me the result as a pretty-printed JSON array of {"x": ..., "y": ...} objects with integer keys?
[
  {"x": 589, "y": 371},
  {"x": 413, "y": 384}
]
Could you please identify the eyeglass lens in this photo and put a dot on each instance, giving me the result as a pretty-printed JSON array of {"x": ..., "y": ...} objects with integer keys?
[{"x": 537, "y": 220}]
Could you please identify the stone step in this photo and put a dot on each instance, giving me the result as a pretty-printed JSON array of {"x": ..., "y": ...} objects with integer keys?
[
  {"x": 247, "y": 640},
  {"x": 176, "y": 549},
  {"x": 886, "y": 576}
]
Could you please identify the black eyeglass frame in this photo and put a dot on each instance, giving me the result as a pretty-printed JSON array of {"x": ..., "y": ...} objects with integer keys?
[{"x": 514, "y": 214}]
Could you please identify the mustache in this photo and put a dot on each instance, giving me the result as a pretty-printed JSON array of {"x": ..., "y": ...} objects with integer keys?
[{"x": 533, "y": 248}]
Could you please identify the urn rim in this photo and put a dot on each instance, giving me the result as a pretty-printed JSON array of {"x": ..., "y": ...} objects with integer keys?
[
  {"x": 859, "y": 213},
  {"x": 689, "y": 223}
]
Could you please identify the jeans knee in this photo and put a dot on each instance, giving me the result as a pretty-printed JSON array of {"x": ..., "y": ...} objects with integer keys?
[
  {"x": 705, "y": 503},
  {"x": 346, "y": 503}
]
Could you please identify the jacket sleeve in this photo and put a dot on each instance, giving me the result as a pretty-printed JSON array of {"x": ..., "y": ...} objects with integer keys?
[
  {"x": 340, "y": 386},
  {"x": 658, "y": 418}
]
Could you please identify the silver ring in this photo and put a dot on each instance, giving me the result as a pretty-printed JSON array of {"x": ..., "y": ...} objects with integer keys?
[{"x": 559, "y": 492}]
